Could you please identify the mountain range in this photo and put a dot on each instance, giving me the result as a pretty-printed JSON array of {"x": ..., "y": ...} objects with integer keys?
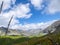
[{"x": 33, "y": 32}]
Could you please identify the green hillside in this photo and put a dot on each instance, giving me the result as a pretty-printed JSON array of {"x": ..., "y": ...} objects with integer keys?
[{"x": 50, "y": 39}]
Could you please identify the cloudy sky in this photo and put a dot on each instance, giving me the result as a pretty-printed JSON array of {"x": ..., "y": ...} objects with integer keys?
[{"x": 29, "y": 14}]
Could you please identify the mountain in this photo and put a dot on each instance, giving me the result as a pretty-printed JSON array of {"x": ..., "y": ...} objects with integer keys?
[
  {"x": 14, "y": 32},
  {"x": 53, "y": 27},
  {"x": 57, "y": 27},
  {"x": 10, "y": 32}
]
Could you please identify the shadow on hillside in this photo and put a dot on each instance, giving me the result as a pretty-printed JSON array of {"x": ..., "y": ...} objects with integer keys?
[
  {"x": 45, "y": 40},
  {"x": 10, "y": 41}
]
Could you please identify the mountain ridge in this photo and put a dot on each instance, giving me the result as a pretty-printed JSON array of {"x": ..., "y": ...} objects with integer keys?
[{"x": 32, "y": 32}]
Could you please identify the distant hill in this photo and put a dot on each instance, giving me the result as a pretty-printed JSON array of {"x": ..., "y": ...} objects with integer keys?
[
  {"x": 53, "y": 27},
  {"x": 10, "y": 32}
]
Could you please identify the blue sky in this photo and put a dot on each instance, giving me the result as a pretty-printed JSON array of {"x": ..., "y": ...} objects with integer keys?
[
  {"x": 29, "y": 13},
  {"x": 37, "y": 15}
]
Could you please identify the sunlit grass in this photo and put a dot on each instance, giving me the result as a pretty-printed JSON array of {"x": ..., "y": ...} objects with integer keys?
[
  {"x": 12, "y": 37},
  {"x": 32, "y": 40}
]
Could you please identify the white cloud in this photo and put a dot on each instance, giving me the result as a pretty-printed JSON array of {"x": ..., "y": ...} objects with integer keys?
[
  {"x": 7, "y": 3},
  {"x": 37, "y": 3},
  {"x": 53, "y": 6},
  {"x": 19, "y": 11},
  {"x": 41, "y": 25},
  {"x": 22, "y": 10}
]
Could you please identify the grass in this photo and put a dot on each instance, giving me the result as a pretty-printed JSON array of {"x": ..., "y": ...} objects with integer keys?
[
  {"x": 9, "y": 40},
  {"x": 20, "y": 40},
  {"x": 12, "y": 37}
]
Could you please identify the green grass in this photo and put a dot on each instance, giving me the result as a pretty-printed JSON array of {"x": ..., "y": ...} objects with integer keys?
[
  {"x": 12, "y": 37},
  {"x": 10, "y": 40},
  {"x": 20, "y": 40}
]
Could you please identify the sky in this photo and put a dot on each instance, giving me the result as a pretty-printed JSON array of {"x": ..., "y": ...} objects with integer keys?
[{"x": 29, "y": 14}]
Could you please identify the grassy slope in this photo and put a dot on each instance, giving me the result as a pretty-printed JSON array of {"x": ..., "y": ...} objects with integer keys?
[{"x": 18, "y": 40}]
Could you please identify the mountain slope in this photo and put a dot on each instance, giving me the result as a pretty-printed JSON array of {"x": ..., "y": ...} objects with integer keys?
[
  {"x": 53, "y": 27},
  {"x": 33, "y": 32}
]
